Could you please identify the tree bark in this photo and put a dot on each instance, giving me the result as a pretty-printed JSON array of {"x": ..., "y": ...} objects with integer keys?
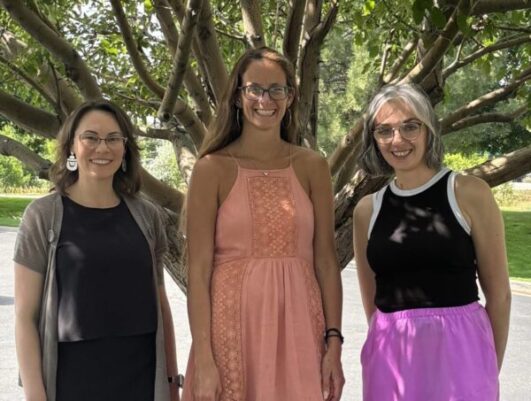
[
  {"x": 10, "y": 147},
  {"x": 180, "y": 60},
  {"x": 191, "y": 82},
  {"x": 28, "y": 117},
  {"x": 504, "y": 168},
  {"x": 293, "y": 30},
  {"x": 76, "y": 68},
  {"x": 132, "y": 49},
  {"x": 439, "y": 48},
  {"x": 252, "y": 23}
]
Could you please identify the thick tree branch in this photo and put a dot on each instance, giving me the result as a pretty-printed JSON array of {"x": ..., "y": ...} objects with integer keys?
[
  {"x": 385, "y": 57},
  {"x": 437, "y": 51},
  {"x": 28, "y": 117},
  {"x": 76, "y": 68},
  {"x": 309, "y": 59},
  {"x": 184, "y": 115},
  {"x": 503, "y": 44},
  {"x": 10, "y": 46},
  {"x": 10, "y": 147},
  {"x": 401, "y": 60},
  {"x": 163, "y": 11},
  {"x": 32, "y": 83},
  {"x": 190, "y": 122},
  {"x": 346, "y": 146},
  {"x": 292, "y": 33},
  {"x": 191, "y": 82},
  {"x": 312, "y": 15},
  {"x": 252, "y": 23},
  {"x": 504, "y": 168},
  {"x": 185, "y": 153},
  {"x": 132, "y": 49},
  {"x": 484, "y": 119},
  {"x": 158, "y": 133},
  {"x": 347, "y": 170},
  {"x": 485, "y": 100},
  {"x": 55, "y": 86},
  {"x": 207, "y": 49},
  {"x": 161, "y": 193},
  {"x": 180, "y": 60},
  {"x": 210, "y": 52}
]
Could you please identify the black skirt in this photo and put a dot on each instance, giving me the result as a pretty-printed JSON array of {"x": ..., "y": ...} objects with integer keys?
[{"x": 107, "y": 369}]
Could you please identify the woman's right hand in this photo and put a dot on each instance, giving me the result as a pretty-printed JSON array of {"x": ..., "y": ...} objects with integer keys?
[{"x": 207, "y": 383}]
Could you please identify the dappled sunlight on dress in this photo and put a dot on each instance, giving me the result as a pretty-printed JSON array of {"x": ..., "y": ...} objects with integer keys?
[{"x": 267, "y": 316}]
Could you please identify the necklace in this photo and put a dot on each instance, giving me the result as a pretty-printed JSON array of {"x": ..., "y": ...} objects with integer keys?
[{"x": 266, "y": 172}]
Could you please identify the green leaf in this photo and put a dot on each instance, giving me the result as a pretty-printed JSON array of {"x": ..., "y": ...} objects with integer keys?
[
  {"x": 368, "y": 7},
  {"x": 148, "y": 6},
  {"x": 463, "y": 24},
  {"x": 419, "y": 9},
  {"x": 438, "y": 18}
]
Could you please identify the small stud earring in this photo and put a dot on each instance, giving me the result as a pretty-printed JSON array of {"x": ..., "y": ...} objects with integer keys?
[
  {"x": 124, "y": 165},
  {"x": 71, "y": 162}
]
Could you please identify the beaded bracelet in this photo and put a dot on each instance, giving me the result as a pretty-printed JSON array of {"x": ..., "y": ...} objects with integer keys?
[
  {"x": 333, "y": 332},
  {"x": 178, "y": 380}
]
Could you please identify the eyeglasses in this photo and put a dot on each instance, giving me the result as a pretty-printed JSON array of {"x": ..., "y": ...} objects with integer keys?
[
  {"x": 92, "y": 141},
  {"x": 276, "y": 92},
  {"x": 409, "y": 131}
]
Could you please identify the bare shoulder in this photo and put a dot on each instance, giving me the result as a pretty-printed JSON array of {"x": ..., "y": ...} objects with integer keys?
[
  {"x": 211, "y": 166},
  {"x": 363, "y": 209},
  {"x": 470, "y": 189},
  {"x": 309, "y": 159}
]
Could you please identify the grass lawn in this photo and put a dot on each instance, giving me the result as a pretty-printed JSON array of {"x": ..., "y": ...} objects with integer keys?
[
  {"x": 518, "y": 240},
  {"x": 11, "y": 209},
  {"x": 517, "y": 230}
]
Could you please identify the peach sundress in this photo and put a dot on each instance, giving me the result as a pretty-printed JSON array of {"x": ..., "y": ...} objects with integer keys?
[{"x": 267, "y": 316}]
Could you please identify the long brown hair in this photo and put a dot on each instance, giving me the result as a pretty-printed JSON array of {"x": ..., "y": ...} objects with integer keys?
[
  {"x": 226, "y": 128},
  {"x": 124, "y": 183}
]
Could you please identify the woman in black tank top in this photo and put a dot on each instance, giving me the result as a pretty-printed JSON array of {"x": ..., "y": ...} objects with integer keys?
[
  {"x": 420, "y": 242},
  {"x": 93, "y": 318}
]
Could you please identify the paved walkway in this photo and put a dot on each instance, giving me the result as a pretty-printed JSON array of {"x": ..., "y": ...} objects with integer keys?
[{"x": 516, "y": 385}]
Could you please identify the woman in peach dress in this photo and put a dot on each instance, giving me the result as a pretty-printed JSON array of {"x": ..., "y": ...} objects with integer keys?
[{"x": 264, "y": 290}]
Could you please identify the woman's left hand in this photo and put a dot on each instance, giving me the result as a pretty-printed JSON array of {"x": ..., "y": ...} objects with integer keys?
[{"x": 332, "y": 372}]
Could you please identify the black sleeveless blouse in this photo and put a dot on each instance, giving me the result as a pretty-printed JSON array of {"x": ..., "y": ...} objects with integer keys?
[{"x": 104, "y": 275}]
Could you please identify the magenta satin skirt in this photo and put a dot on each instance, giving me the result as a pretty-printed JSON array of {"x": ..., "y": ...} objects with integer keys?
[{"x": 430, "y": 354}]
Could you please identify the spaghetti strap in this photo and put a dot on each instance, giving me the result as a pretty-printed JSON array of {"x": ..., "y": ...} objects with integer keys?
[{"x": 233, "y": 158}]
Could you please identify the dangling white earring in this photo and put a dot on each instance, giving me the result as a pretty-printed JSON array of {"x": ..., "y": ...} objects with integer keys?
[
  {"x": 71, "y": 162},
  {"x": 124, "y": 165}
]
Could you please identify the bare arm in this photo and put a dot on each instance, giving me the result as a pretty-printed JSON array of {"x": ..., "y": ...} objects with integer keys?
[
  {"x": 328, "y": 273},
  {"x": 28, "y": 293},
  {"x": 361, "y": 218},
  {"x": 202, "y": 205},
  {"x": 169, "y": 341},
  {"x": 477, "y": 203}
]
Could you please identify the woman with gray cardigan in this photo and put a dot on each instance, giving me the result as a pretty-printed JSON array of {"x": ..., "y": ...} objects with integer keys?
[{"x": 92, "y": 317}]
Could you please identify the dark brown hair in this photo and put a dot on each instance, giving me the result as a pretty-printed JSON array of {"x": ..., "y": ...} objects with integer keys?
[
  {"x": 225, "y": 128},
  {"x": 124, "y": 183}
]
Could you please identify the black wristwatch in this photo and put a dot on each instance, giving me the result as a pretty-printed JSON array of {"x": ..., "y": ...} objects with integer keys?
[{"x": 179, "y": 380}]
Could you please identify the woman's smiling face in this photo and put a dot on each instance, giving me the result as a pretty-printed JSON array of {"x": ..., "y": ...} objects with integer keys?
[
  {"x": 400, "y": 153},
  {"x": 264, "y": 113},
  {"x": 104, "y": 160}
]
